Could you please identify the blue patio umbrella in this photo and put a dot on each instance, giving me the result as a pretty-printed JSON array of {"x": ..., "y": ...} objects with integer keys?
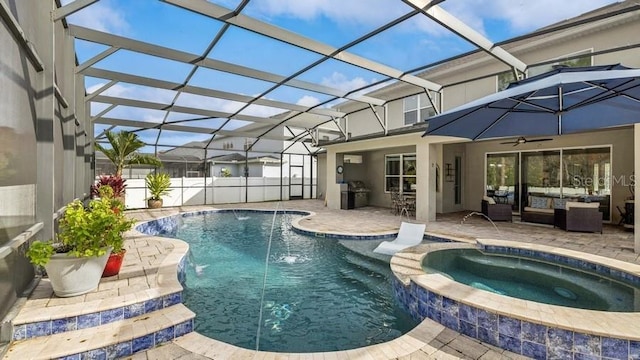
[{"x": 562, "y": 101}]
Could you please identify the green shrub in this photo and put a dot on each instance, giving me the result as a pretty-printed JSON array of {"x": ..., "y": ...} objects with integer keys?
[{"x": 158, "y": 185}]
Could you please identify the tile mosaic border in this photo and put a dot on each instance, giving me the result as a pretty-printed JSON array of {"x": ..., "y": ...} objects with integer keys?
[
  {"x": 130, "y": 347},
  {"x": 168, "y": 225},
  {"x": 523, "y": 337},
  {"x": 564, "y": 260},
  {"x": 60, "y": 325}
]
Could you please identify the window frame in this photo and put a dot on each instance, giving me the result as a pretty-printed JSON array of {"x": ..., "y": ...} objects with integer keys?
[
  {"x": 420, "y": 108},
  {"x": 401, "y": 176}
]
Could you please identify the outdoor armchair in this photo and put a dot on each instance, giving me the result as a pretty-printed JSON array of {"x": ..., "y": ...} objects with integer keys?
[
  {"x": 579, "y": 216},
  {"x": 496, "y": 212}
]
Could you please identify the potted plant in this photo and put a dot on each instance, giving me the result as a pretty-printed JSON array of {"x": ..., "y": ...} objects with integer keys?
[
  {"x": 76, "y": 259},
  {"x": 123, "y": 152},
  {"x": 116, "y": 183},
  {"x": 158, "y": 185},
  {"x": 114, "y": 262}
]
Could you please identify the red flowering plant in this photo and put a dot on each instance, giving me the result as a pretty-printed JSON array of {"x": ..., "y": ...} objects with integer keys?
[{"x": 116, "y": 183}]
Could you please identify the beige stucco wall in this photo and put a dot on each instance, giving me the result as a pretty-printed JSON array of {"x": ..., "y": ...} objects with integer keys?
[
  {"x": 321, "y": 189},
  {"x": 365, "y": 121},
  {"x": 372, "y": 169}
]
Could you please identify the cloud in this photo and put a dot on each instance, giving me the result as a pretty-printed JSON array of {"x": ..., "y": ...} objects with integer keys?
[
  {"x": 143, "y": 93},
  {"x": 341, "y": 11},
  {"x": 521, "y": 16},
  {"x": 101, "y": 16},
  {"x": 340, "y": 81},
  {"x": 308, "y": 100}
]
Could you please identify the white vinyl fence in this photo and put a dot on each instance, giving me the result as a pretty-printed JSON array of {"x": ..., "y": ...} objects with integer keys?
[{"x": 217, "y": 190}]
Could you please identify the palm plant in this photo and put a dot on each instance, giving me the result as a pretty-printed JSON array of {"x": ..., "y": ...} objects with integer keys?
[{"x": 124, "y": 151}]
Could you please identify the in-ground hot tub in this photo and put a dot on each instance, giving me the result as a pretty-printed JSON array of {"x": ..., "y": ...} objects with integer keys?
[
  {"x": 527, "y": 327},
  {"x": 534, "y": 279}
]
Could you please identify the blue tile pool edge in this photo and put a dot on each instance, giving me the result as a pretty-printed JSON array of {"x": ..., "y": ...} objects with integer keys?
[
  {"x": 55, "y": 326},
  {"x": 130, "y": 347},
  {"x": 169, "y": 225},
  {"x": 518, "y": 336}
]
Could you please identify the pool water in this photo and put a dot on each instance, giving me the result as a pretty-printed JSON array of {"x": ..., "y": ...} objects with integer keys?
[
  {"x": 534, "y": 280},
  {"x": 319, "y": 296}
]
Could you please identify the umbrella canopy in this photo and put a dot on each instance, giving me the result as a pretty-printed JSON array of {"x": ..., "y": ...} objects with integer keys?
[{"x": 564, "y": 100}]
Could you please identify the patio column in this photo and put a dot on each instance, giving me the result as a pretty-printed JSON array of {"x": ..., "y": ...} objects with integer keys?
[
  {"x": 425, "y": 177},
  {"x": 636, "y": 187},
  {"x": 332, "y": 197}
]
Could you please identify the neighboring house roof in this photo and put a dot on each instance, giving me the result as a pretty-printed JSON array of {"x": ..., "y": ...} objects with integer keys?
[
  {"x": 162, "y": 156},
  {"x": 236, "y": 157}
]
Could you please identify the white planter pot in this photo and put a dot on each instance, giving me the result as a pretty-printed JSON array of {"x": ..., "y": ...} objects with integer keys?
[{"x": 72, "y": 276}]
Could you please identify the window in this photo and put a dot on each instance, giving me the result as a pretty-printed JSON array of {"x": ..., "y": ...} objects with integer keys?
[
  {"x": 504, "y": 79},
  {"x": 400, "y": 173},
  {"x": 418, "y": 108},
  {"x": 583, "y": 59},
  {"x": 575, "y": 174}
]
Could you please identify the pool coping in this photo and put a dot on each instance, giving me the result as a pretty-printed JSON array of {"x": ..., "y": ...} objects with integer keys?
[{"x": 407, "y": 267}]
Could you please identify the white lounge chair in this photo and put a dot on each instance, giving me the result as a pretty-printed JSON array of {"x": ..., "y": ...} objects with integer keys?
[{"x": 409, "y": 235}]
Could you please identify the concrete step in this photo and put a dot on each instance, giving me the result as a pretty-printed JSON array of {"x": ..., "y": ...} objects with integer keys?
[
  {"x": 113, "y": 340},
  {"x": 147, "y": 283}
]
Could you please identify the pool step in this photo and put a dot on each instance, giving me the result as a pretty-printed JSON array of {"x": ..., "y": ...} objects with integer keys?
[
  {"x": 368, "y": 265},
  {"x": 113, "y": 340},
  {"x": 370, "y": 280},
  {"x": 34, "y": 321}
]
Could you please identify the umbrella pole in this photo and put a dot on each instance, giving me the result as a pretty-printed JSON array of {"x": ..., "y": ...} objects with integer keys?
[{"x": 560, "y": 109}]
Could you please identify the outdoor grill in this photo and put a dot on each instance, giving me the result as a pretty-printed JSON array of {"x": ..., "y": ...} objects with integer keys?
[{"x": 360, "y": 193}]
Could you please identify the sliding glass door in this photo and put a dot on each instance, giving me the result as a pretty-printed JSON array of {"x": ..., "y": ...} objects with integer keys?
[
  {"x": 586, "y": 176},
  {"x": 540, "y": 175},
  {"x": 503, "y": 178},
  {"x": 582, "y": 175}
]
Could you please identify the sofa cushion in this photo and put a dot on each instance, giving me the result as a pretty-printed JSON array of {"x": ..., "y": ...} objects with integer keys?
[
  {"x": 538, "y": 210},
  {"x": 540, "y": 202},
  {"x": 591, "y": 205},
  {"x": 489, "y": 200}
]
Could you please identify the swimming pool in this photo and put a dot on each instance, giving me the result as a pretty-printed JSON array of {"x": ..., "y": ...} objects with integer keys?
[
  {"x": 319, "y": 296},
  {"x": 535, "y": 280}
]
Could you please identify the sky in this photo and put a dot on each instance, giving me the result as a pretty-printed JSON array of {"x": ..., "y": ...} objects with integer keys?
[{"x": 406, "y": 46}]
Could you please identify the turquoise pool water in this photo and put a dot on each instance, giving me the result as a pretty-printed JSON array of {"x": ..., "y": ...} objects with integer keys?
[
  {"x": 534, "y": 280},
  {"x": 319, "y": 295}
]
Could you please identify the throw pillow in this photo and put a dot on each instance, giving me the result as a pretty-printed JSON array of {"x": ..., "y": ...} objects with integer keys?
[
  {"x": 539, "y": 202},
  {"x": 489, "y": 200},
  {"x": 559, "y": 203}
]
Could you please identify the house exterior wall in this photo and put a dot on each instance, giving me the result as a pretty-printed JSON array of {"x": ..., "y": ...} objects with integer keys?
[
  {"x": 365, "y": 121},
  {"x": 470, "y": 78},
  {"x": 322, "y": 176},
  {"x": 372, "y": 174}
]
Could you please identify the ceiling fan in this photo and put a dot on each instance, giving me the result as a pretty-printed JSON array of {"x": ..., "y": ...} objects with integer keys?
[{"x": 522, "y": 140}]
